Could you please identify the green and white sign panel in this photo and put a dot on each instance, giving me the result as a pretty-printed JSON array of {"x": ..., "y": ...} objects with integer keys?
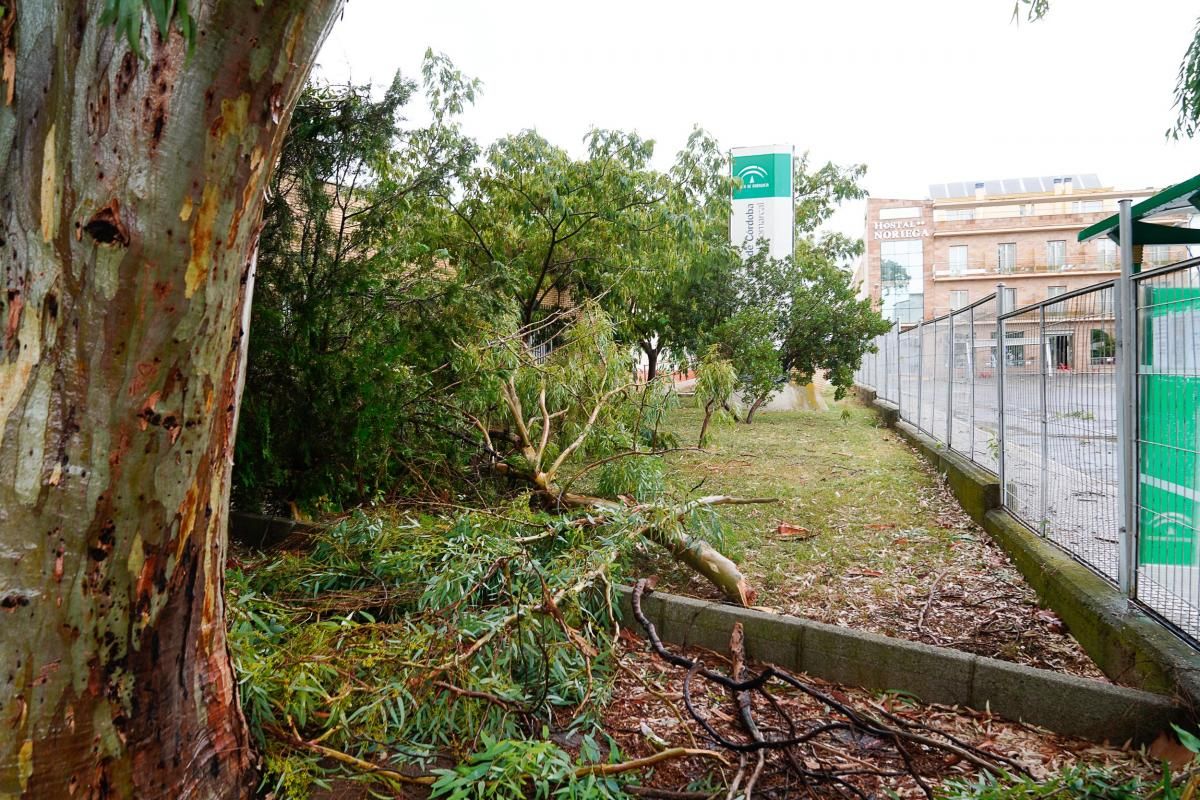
[
  {"x": 763, "y": 206},
  {"x": 1169, "y": 428}
]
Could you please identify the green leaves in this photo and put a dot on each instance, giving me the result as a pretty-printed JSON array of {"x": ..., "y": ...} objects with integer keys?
[
  {"x": 126, "y": 17},
  {"x": 346, "y": 641},
  {"x": 511, "y": 769},
  {"x": 356, "y": 311},
  {"x": 1188, "y": 739}
]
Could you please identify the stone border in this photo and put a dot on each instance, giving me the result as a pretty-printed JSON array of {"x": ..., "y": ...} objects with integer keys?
[
  {"x": 1061, "y": 703},
  {"x": 1125, "y": 642},
  {"x": 257, "y": 530}
]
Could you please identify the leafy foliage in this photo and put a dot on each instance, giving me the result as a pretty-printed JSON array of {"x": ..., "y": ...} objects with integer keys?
[
  {"x": 1081, "y": 782},
  {"x": 797, "y": 316},
  {"x": 544, "y": 229},
  {"x": 408, "y": 642},
  {"x": 126, "y": 17},
  {"x": 354, "y": 319},
  {"x": 715, "y": 381}
]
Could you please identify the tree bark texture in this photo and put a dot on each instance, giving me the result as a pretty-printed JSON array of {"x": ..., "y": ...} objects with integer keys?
[{"x": 130, "y": 202}]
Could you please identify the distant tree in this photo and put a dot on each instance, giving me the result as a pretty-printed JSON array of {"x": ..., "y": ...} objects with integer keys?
[
  {"x": 679, "y": 287},
  {"x": 715, "y": 381},
  {"x": 798, "y": 316},
  {"x": 827, "y": 326},
  {"x": 354, "y": 314},
  {"x": 535, "y": 225}
]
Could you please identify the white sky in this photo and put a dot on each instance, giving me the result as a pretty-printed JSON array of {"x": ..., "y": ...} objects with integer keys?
[{"x": 923, "y": 91}]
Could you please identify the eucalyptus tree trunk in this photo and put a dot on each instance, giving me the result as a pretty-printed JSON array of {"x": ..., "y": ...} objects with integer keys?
[{"x": 130, "y": 199}]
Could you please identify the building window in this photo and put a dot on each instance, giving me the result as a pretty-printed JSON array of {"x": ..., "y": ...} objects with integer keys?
[
  {"x": 907, "y": 212},
  {"x": 1106, "y": 252},
  {"x": 1014, "y": 354},
  {"x": 953, "y": 214},
  {"x": 1157, "y": 254},
  {"x": 901, "y": 272},
  {"x": 1056, "y": 309},
  {"x": 1104, "y": 347},
  {"x": 958, "y": 259},
  {"x": 1006, "y": 256},
  {"x": 1056, "y": 254},
  {"x": 958, "y": 299},
  {"x": 1010, "y": 299}
]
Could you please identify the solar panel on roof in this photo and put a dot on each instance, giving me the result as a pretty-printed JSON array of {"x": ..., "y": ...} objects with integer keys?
[{"x": 1044, "y": 184}]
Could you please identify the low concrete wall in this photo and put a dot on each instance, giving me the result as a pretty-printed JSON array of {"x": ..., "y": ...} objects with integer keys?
[
  {"x": 1062, "y": 703},
  {"x": 256, "y": 530},
  {"x": 1125, "y": 642}
]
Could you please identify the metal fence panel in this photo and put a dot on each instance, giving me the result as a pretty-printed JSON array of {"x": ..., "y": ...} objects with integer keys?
[
  {"x": 939, "y": 378},
  {"x": 926, "y": 390},
  {"x": 985, "y": 428},
  {"x": 1168, "y": 440},
  {"x": 1041, "y": 410},
  {"x": 1080, "y": 507},
  {"x": 961, "y": 376},
  {"x": 1023, "y": 417},
  {"x": 909, "y": 352}
]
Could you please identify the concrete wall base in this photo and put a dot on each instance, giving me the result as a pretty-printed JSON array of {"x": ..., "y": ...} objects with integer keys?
[
  {"x": 1126, "y": 644},
  {"x": 1061, "y": 703}
]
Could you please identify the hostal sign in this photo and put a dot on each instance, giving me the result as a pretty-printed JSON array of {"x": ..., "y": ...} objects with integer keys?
[{"x": 901, "y": 229}]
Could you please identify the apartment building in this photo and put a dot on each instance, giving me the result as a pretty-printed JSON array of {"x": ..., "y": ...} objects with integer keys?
[{"x": 927, "y": 257}]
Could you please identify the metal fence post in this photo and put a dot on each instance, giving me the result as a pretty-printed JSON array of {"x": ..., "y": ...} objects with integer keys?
[
  {"x": 1043, "y": 356},
  {"x": 884, "y": 379},
  {"x": 950, "y": 381},
  {"x": 971, "y": 375},
  {"x": 1126, "y": 377},
  {"x": 1000, "y": 354},
  {"x": 920, "y": 368}
]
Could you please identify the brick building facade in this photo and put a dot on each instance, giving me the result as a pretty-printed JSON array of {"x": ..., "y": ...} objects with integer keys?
[{"x": 925, "y": 258}]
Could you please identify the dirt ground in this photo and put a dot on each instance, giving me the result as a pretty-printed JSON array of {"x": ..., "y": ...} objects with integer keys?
[
  {"x": 865, "y": 534},
  {"x": 648, "y": 702}
]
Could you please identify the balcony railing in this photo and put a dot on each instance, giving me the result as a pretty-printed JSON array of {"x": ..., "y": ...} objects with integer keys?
[{"x": 976, "y": 268}]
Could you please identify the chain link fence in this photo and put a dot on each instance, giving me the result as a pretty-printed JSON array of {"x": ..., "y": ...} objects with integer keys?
[{"x": 1043, "y": 411}]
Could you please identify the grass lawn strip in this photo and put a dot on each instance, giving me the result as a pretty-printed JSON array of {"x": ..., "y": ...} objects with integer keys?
[{"x": 865, "y": 535}]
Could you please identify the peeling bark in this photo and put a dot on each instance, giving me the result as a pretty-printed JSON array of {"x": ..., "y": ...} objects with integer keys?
[{"x": 130, "y": 199}]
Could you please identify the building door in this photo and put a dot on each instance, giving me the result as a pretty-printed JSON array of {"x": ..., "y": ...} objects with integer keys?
[{"x": 1060, "y": 347}]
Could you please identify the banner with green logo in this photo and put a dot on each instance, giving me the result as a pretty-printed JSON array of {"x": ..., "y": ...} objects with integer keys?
[
  {"x": 763, "y": 210},
  {"x": 1169, "y": 428},
  {"x": 763, "y": 175}
]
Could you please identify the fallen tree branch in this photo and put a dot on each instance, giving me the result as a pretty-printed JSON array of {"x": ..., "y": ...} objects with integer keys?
[
  {"x": 295, "y": 740},
  {"x": 649, "y": 761},
  {"x": 906, "y": 740}
]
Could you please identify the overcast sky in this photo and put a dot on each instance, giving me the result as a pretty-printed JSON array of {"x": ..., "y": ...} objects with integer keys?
[{"x": 923, "y": 91}]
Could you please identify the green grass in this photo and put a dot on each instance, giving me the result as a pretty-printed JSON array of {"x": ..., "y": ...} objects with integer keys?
[{"x": 862, "y": 494}]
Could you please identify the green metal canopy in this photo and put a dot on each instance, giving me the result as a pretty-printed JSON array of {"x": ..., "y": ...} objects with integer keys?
[{"x": 1185, "y": 194}]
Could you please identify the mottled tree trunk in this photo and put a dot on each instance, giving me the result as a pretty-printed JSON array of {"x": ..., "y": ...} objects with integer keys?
[{"x": 130, "y": 199}]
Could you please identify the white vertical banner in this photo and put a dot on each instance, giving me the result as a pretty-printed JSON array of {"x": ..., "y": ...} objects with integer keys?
[{"x": 763, "y": 206}]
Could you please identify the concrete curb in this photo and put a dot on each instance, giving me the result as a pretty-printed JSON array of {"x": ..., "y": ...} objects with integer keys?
[
  {"x": 256, "y": 530},
  {"x": 1124, "y": 641},
  {"x": 1061, "y": 703}
]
